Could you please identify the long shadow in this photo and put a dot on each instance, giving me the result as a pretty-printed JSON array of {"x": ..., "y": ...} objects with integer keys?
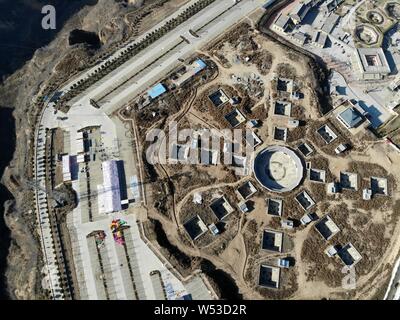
[
  {"x": 386, "y": 45},
  {"x": 226, "y": 284},
  {"x": 164, "y": 242},
  {"x": 21, "y": 31},
  {"x": 7, "y": 142}
]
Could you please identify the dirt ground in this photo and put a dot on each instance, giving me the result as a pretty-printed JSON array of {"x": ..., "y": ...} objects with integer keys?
[{"x": 369, "y": 225}]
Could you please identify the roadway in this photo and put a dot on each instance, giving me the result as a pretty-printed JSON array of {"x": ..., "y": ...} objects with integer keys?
[
  {"x": 159, "y": 59},
  {"x": 393, "y": 290},
  {"x": 163, "y": 56}
]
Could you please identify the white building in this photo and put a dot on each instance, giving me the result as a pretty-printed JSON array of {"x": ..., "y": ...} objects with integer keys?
[
  {"x": 300, "y": 12},
  {"x": 300, "y": 38},
  {"x": 283, "y": 24},
  {"x": 395, "y": 83},
  {"x": 319, "y": 39},
  {"x": 372, "y": 63},
  {"x": 109, "y": 193},
  {"x": 66, "y": 162}
]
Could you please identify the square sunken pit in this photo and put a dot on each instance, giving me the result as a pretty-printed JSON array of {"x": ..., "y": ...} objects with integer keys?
[
  {"x": 272, "y": 240},
  {"x": 327, "y": 134},
  {"x": 218, "y": 98},
  {"x": 247, "y": 190},
  {"x": 275, "y": 207},
  {"x": 349, "y": 180},
  {"x": 327, "y": 228},
  {"x": 379, "y": 186},
  {"x": 269, "y": 276},
  {"x": 195, "y": 227},
  {"x": 317, "y": 175},
  {"x": 283, "y": 108},
  {"x": 221, "y": 208},
  {"x": 305, "y": 149},
  {"x": 305, "y": 200},
  {"x": 284, "y": 85},
  {"x": 280, "y": 134},
  {"x": 235, "y": 118},
  {"x": 349, "y": 255}
]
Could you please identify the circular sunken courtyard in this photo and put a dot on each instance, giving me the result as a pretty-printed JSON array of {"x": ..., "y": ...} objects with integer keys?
[
  {"x": 278, "y": 169},
  {"x": 375, "y": 17},
  {"x": 393, "y": 10}
]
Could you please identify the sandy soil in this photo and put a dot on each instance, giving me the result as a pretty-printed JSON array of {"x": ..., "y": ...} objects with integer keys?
[{"x": 237, "y": 258}]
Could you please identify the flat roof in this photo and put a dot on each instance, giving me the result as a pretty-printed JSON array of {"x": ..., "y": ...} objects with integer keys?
[
  {"x": 320, "y": 38},
  {"x": 157, "y": 91},
  {"x": 282, "y": 21},
  {"x": 198, "y": 65},
  {"x": 330, "y": 23},
  {"x": 300, "y": 36},
  {"x": 327, "y": 228},
  {"x": 300, "y": 10},
  {"x": 109, "y": 193},
  {"x": 351, "y": 117},
  {"x": 373, "y": 60}
]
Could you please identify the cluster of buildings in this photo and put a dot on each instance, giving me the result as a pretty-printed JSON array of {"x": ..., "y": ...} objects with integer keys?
[
  {"x": 287, "y": 23},
  {"x": 180, "y": 78},
  {"x": 370, "y": 63},
  {"x": 347, "y": 253}
]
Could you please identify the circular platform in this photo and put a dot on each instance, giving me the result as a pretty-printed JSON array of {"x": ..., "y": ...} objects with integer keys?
[{"x": 278, "y": 169}]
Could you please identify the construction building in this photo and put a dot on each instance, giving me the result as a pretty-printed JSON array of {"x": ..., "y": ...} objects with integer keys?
[{"x": 189, "y": 72}]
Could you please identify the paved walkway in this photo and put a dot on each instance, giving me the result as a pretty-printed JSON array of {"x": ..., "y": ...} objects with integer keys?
[{"x": 98, "y": 266}]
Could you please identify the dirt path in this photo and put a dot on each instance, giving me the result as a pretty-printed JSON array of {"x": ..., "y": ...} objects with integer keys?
[
  {"x": 204, "y": 189},
  {"x": 174, "y": 237}
]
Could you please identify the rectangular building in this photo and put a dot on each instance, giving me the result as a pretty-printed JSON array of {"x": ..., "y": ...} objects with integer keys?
[
  {"x": 300, "y": 12},
  {"x": 109, "y": 196},
  {"x": 157, "y": 91},
  {"x": 283, "y": 24},
  {"x": 319, "y": 39},
  {"x": 372, "y": 63},
  {"x": 330, "y": 23}
]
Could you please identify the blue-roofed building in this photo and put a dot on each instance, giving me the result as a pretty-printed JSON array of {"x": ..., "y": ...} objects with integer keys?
[
  {"x": 350, "y": 118},
  {"x": 199, "y": 65},
  {"x": 157, "y": 91}
]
